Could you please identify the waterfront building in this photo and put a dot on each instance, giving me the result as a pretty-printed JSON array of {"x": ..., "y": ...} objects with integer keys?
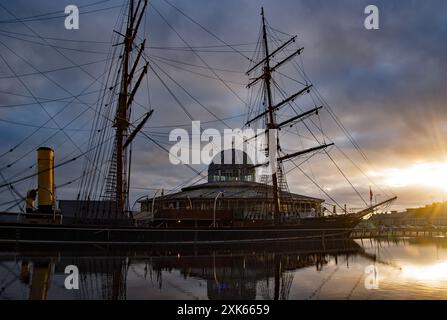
[{"x": 232, "y": 193}]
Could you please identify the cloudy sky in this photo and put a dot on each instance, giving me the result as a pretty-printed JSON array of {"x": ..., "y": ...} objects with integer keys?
[{"x": 386, "y": 86}]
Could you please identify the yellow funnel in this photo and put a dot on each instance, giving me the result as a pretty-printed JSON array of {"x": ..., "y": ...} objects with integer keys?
[{"x": 45, "y": 179}]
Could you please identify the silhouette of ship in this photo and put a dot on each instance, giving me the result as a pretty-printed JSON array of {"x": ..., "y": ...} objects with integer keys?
[{"x": 108, "y": 218}]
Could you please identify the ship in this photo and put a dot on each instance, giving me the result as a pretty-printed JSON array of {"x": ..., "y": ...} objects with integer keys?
[{"x": 109, "y": 219}]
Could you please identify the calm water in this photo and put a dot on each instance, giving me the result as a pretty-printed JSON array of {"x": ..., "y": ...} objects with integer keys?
[{"x": 368, "y": 269}]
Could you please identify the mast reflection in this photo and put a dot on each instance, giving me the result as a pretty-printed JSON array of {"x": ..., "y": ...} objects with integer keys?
[{"x": 250, "y": 272}]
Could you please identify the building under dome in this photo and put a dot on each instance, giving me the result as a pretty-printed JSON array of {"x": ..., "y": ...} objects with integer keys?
[{"x": 230, "y": 196}]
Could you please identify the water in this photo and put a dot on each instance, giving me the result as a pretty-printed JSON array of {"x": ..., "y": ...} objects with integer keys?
[{"x": 361, "y": 269}]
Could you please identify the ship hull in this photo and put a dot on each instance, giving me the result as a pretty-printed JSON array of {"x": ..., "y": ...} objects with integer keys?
[{"x": 308, "y": 229}]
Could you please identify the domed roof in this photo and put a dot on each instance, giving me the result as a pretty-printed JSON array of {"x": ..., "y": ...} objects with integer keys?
[
  {"x": 232, "y": 157},
  {"x": 231, "y": 165}
]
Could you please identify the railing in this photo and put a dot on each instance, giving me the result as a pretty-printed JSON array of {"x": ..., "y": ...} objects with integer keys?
[{"x": 192, "y": 214}]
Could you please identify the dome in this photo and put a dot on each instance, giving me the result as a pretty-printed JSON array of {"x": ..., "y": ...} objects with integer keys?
[{"x": 231, "y": 165}]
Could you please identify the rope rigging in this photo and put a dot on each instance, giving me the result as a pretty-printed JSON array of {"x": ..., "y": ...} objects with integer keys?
[
  {"x": 196, "y": 54},
  {"x": 293, "y": 104},
  {"x": 206, "y": 30},
  {"x": 59, "y": 129},
  {"x": 51, "y": 118},
  {"x": 8, "y": 184},
  {"x": 301, "y": 71},
  {"x": 99, "y": 159}
]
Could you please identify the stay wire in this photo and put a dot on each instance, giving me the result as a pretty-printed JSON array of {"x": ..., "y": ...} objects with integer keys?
[
  {"x": 206, "y": 30},
  {"x": 198, "y": 55},
  {"x": 45, "y": 170}
]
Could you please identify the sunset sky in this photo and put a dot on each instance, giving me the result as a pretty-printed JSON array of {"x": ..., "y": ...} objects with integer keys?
[{"x": 387, "y": 86}]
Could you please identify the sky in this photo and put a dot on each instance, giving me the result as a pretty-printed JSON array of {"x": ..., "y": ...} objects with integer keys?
[{"x": 386, "y": 86}]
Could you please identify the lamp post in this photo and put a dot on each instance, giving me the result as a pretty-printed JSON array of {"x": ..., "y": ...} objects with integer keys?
[
  {"x": 153, "y": 201},
  {"x": 133, "y": 206},
  {"x": 190, "y": 202},
  {"x": 214, "y": 212}
]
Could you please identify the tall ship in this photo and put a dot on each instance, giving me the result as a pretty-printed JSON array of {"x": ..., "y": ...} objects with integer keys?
[{"x": 241, "y": 201}]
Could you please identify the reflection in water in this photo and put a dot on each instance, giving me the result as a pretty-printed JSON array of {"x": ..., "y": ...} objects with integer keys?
[
  {"x": 435, "y": 272},
  {"x": 239, "y": 276},
  {"x": 100, "y": 277},
  {"x": 276, "y": 271},
  {"x": 39, "y": 281}
]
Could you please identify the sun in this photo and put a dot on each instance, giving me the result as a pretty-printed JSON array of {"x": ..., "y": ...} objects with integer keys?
[{"x": 428, "y": 174}]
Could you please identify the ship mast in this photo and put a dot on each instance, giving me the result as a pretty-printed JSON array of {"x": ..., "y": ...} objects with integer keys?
[
  {"x": 125, "y": 99},
  {"x": 271, "y": 119},
  {"x": 271, "y": 108}
]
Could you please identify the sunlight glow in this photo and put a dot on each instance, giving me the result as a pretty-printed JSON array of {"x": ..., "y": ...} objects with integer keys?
[
  {"x": 430, "y": 174},
  {"x": 435, "y": 272}
]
